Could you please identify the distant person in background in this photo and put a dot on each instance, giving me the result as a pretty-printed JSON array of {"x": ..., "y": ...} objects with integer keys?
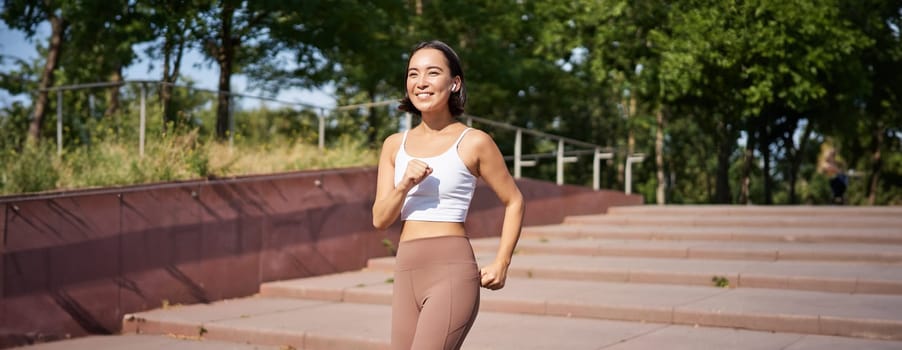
[
  {"x": 426, "y": 177},
  {"x": 833, "y": 169}
]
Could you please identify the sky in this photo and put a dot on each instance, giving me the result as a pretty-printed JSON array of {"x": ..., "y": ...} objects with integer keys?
[{"x": 14, "y": 43}]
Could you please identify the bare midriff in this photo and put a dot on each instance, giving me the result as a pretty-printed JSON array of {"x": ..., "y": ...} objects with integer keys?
[{"x": 426, "y": 229}]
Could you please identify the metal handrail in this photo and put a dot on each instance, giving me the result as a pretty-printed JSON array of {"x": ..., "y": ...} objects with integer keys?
[
  {"x": 534, "y": 132},
  {"x": 233, "y": 94},
  {"x": 561, "y": 155}
]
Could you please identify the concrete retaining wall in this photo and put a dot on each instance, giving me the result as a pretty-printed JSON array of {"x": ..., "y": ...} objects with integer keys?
[{"x": 74, "y": 263}]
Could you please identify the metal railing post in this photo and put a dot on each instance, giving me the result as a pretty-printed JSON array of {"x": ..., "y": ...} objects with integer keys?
[
  {"x": 231, "y": 121},
  {"x": 596, "y": 167},
  {"x": 560, "y": 162},
  {"x": 59, "y": 122},
  {"x": 629, "y": 177},
  {"x": 518, "y": 154},
  {"x": 143, "y": 121},
  {"x": 321, "y": 134},
  {"x": 629, "y": 171},
  {"x": 408, "y": 121}
]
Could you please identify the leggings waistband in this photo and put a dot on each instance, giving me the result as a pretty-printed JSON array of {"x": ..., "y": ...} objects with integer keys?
[{"x": 434, "y": 250}]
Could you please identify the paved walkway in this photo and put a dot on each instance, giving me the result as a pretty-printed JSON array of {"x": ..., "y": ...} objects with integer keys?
[{"x": 648, "y": 277}]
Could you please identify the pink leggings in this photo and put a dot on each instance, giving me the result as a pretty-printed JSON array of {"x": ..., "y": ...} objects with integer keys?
[{"x": 436, "y": 293}]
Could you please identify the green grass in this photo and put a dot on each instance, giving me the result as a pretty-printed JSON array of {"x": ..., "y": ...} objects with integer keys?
[
  {"x": 184, "y": 156},
  {"x": 720, "y": 282}
]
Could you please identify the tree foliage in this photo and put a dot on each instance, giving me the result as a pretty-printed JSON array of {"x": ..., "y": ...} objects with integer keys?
[{"x": 733, "y": 100}]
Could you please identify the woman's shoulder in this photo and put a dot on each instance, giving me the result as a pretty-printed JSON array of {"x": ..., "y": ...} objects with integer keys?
[
  {"x": 477, "y": 142},
  {"x": 391, "y": 144},
  {"x": 477, "y": 137},
  {"x": 393, "y": 139}
]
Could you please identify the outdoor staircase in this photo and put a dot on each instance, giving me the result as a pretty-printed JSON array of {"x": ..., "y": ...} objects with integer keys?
[{"x": 644, "y": 277}]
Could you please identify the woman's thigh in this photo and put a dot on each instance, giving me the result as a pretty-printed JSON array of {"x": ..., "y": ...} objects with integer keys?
[{"x": 449, "y": 309}]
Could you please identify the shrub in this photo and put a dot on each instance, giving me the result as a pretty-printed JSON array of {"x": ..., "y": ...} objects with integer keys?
[
  {"x": 181, "y": 155},
  {"x": 31, "y": 170}
]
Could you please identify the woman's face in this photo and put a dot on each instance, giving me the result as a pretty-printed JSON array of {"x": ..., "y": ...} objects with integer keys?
[{"x": 429, "y": 81}]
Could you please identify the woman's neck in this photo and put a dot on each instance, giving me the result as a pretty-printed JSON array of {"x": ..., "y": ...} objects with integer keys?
[{"x": 435, "y": 123}]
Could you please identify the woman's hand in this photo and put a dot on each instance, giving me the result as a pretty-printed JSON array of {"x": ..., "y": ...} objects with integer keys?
[
  {"x": 416, "y": 172},
  {"x": 493, "y": 275}
]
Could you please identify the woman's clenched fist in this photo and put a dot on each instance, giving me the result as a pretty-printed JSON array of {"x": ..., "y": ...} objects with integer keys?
[{"x": 416, "y": 172}]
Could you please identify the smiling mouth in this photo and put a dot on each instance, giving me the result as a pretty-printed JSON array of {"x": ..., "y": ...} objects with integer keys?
[{"x": 423, "y": 94}]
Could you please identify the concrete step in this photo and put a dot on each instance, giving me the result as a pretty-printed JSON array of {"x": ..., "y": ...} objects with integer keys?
[
  {"x": 639, "y": 278},
  {"x": 732, "y": 234},
  {"x": 855, "y": 315},
  {"x": 767, "y": 251},
  {"x": 790, "y": 275},
  {"x": 291, "y": 323},
  {"x": 304, "y": 324},
  {"x": 147, "y": 342},
  {"x": 759, "y": 221},
  {"x": 755, "y": 210}
]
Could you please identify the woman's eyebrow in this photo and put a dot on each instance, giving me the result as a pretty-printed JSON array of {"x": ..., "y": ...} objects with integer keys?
[{"x": 427, "y": 68}]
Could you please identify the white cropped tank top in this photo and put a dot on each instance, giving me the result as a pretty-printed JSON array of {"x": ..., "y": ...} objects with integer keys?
[{"x": 445, "y": 194}]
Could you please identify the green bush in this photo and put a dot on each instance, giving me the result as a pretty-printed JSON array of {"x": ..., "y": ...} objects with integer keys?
[
  {"x": 182, "y": 155},
  {"x": 32, "y": 170}
]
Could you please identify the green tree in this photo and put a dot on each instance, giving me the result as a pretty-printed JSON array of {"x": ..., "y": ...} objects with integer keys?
[
  {"x": 174, "y": 22},
  {"x": 102, "y": 46},
  {"x": 357, "y": 47},
  {"x": 768, "y": 59},
  {"x": 27, "y": 16},
  {"x": 508, "y": 80},
  {"x": 88, "y": 41},
  {"x": 879, "y": 118},
  {"x": 19, "y": 79},
  {"x": 233, "y": 33}
]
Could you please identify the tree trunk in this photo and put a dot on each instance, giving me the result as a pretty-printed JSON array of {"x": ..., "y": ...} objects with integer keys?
[
  {"x": 659, "y": 156},
  {"x": 764, "y": 144},
  {"x": 797, "y": 162},
  {"x": 709, "y": 187},
  {"x": 747, "y": 168},
  {"x": 113, "y": 93},
  {"x": 725, "y": 148},
  {"x": 631, "y": 117},
  {"x": 177, "y": 66},
  {"x": 372, "y": 118},
  {"x": 876, "y": 164},
  {"x": 417, "y": 11},
  {"x": 225, "y": 57},
  {"x": 57, "y": 28},
  {"x": 165, "y": 89},
  {"x": 173, "y": 42},
  {"x": 629, "y": 107}
]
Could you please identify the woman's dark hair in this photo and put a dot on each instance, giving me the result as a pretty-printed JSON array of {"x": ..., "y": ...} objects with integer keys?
[{"x": 458, "y": 98}]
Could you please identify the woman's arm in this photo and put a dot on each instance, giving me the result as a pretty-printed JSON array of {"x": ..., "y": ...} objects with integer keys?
[
  {"x": 493, "y": 170},
  {"x": 387, "y": 205},
  {"x": 390, "y": 198}
]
